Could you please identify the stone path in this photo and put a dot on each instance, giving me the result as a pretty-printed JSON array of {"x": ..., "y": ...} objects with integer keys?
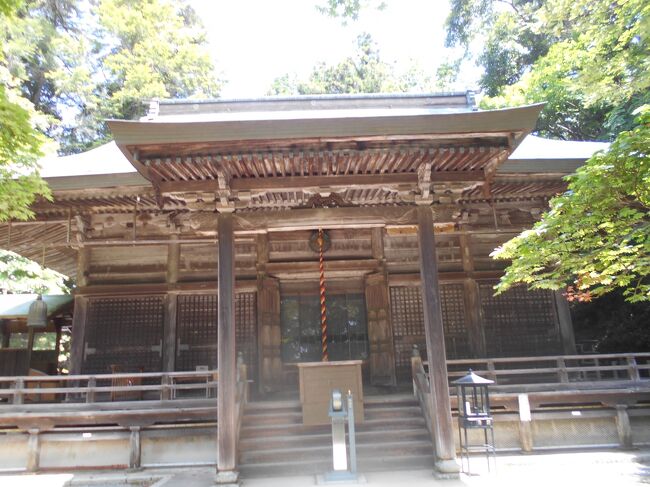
[{"x": 592, "y": 469}]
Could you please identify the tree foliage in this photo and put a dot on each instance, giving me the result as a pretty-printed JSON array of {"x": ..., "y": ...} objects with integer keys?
[
  {"x": 612, "y": 325},
  {"x": 595, "y": 238},
  {"x": 588, "y": 59},
  {"x": 79, "y": 63},
  {"x": 20, "y": 142},
  {"x": 21, "y": 275},
  {"x": 348, "y": 9},
  {"x": 363, "y": 72}
]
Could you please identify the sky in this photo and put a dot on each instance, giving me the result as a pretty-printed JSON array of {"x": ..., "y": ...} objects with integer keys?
[{"x": 255, "y": 41}]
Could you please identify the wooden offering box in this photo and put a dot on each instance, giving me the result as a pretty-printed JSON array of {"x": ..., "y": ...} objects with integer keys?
[{"x": 318, "y": 379}]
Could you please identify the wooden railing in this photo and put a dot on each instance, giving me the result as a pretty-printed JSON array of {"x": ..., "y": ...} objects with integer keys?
[
  {"x": 421, "y": 389},
  {"x": 570, "y": 371},
  {"x": 242, "y": 391},
  {"x": 163, "y": 386},
  {"x": 602, "y": 386}
]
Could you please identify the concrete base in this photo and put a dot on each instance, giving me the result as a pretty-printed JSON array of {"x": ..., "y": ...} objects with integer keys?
[
  {"x": 227, "y": 478},
  {"x": 329, "y": 479},
  {"x": 446, "y": 469}
]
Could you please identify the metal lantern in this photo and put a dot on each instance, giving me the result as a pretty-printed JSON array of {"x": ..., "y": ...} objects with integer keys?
[
  {"x": 473, "y": 398},
  {"x": 37, "y": 316},
  {"x": 474, "y": 414}
]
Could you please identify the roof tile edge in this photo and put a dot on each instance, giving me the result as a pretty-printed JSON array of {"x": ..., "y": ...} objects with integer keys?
[{"x": 462, "y": 100}]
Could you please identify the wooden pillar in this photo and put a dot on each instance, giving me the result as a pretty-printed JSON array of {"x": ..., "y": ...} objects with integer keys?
[
  {"x": 171, "y": 300},
  {"x": 78, "y": 339},
  {"x": 475, "y": 333},
  {"x": 566, "y": 325},
  {"x": 227, "y": 357},
  {"x": 445, "y": 448},
  {"x": 83, "y": 259}
]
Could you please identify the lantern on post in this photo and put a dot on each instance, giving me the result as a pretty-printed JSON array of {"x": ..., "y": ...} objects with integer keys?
[
  {"x": 37, "y": 315},
  {"x": 474, "y": 414}
]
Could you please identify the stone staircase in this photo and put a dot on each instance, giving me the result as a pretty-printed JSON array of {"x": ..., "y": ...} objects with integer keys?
[{"x": 273, "y": 440}]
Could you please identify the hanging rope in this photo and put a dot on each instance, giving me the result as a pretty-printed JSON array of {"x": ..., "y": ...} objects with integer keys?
[{"x": 323, "y": 310}]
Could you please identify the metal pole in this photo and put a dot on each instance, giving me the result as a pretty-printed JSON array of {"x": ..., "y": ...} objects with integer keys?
[{"x": 351, "y": 435}]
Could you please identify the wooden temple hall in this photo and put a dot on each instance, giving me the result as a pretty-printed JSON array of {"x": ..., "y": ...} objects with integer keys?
[{"x": 212, "y": 229}]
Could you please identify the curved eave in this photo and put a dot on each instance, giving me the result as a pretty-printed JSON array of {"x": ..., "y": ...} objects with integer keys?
[
  {"x": 519, "y": 121},
  {"x": 95, "y": 181}
]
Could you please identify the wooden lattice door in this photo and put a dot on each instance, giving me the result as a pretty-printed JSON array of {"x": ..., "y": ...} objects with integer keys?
[{"x": 126, "y": 332}]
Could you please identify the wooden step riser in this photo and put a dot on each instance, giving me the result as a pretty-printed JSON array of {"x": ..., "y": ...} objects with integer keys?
[
  {"x": 320, "y": 467},
  {"x": 253, "y": 444},
  {"x": 394, "y": 451},
  {"x": 249, "y": 430},
  {"x": 262, "y": 407},
  {"x": 296, "y": 418}
]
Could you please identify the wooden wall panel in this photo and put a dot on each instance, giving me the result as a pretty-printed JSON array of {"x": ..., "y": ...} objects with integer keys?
[
  {"x": 123, "y": 264},
  {"x": 270, "y": 334},
  {"x": 294, "y": 246}
]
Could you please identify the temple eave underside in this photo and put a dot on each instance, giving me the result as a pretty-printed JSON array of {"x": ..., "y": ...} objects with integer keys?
[{"x": 287, "y": 189}]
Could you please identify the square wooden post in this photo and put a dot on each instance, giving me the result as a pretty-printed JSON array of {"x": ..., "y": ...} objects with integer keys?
[
  {"x": 227, "y": 356},
  {"x": 77, "y": 345},
  {"x": 171, "y": 300},
  {"x": 443, "y": 431},
  {"x": 567, "y": 336}
]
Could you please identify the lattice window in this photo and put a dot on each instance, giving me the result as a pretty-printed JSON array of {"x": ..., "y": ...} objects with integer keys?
[
  {"x": 197, "y": 330},
  {"x": 126, "y": 332},
  {"x": 408, "y": 323},
  {"x": 452, "y": 301},
  {"x": 519, "y": 322},
  {"x": 246, "y": 330}
]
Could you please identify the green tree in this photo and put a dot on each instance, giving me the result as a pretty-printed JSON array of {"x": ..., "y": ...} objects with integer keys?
[
  {"x": 348, "y": 9},
  {"x": 595, "y": 238},
  {"x": 588, "y": 59},
  {"x": 21, "y": 275},
  {"x": 363, "y": 72},
  {"x": 80, "y": 64},
  {"x": 151, "y": 49},
  {"x": 21, "y": 144}
]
